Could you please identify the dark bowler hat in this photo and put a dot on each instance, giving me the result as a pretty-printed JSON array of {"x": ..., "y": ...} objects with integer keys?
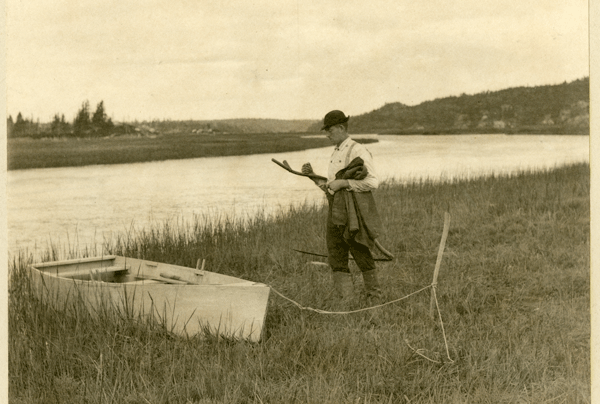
[{"x": 333, "y": 118}]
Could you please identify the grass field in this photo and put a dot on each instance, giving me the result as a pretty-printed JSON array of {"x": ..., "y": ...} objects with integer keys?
[
  {"x": 513, "y": 291},
  {"x": 44, "y": 153}
]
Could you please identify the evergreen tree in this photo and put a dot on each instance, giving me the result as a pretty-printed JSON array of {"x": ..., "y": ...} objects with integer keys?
[
  {"x": 20, "y": 126},
  {"x": 100, "y": 122},
  {"x": 55, "y": 126},
  {"x": 64, "y": 124},
  {"x": 58, "y": 126},
  {"x": 82, "y": 123},
  {"x": 99, "y": 117}
]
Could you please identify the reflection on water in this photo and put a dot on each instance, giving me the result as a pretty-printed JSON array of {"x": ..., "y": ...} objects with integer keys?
[{"x": 81, "y": 206}]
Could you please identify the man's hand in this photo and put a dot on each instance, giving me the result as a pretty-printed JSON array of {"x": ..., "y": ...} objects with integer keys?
[
  {"x": 307, "y": 169},
  {"x": 336, "y": 185}
]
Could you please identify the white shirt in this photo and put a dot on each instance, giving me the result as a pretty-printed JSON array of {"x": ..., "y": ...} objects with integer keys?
[{"x": 342, "y": 155}]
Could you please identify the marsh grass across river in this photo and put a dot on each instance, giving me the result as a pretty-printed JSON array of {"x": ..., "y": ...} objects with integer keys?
[
  {"x": 513, "y": 290},
  {"x": 62, "y": 152}
]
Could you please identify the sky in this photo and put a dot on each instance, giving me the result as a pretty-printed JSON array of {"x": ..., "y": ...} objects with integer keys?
[{"x": 194, "y": 59}]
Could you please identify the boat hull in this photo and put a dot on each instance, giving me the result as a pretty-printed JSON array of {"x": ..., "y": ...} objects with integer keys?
[{"x": 192, "y": 303}]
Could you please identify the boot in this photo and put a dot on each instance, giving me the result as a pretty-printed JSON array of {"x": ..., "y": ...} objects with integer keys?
[
  {"x": 342, "y": 281},
  {"x": 372, "y": 287}
]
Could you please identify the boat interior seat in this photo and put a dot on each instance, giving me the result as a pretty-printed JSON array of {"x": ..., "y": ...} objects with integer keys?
[{"x": 95, "y": 273}]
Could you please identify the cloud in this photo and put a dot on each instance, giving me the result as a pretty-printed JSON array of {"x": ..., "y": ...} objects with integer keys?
[{"x": 190, "y": 59}]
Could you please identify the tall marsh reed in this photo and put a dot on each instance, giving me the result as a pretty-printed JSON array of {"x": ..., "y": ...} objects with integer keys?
[{"x": 513, "y": 291}]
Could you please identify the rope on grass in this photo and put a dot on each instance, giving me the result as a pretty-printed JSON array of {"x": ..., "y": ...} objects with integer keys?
[
  {"x": 346, "y": 312},
  {"x": 381, "y": 305},
  {"x": 419, "y": 353}
]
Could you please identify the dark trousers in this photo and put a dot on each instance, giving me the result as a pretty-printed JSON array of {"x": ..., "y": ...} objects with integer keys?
[{"x": 338, "y": 249}]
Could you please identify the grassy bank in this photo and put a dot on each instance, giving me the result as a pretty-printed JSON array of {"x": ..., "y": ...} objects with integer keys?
[
  {"x": 513, "y": 292},
  {"x": 44, "y": 153}
]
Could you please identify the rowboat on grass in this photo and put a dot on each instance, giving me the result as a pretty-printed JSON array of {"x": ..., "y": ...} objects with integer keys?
[{"x": 187, "y": 301}]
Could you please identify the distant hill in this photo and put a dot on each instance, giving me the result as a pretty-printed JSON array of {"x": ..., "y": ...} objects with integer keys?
[
  {"x": 232, "y": 126},
  {"x": 562, "y": 108}
]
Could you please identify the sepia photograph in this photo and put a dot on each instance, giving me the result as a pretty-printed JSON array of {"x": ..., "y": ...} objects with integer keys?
[{"x": 297, "y": 202}]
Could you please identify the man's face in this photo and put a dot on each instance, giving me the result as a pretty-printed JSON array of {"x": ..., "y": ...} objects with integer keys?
[{"x": 336, "y": 134}]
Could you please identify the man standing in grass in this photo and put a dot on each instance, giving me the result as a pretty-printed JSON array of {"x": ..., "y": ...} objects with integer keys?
[{"x": 353, "y": 223}]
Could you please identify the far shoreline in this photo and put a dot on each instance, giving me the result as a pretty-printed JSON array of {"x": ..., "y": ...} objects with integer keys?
[
  {"x": 28, "y": 153},
  {"x": 25, "y": 153}
]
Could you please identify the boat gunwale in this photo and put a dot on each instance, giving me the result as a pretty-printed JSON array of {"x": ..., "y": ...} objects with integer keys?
[
  {"x": 55, "y": 264},
  {"x": 74, "y": 261}
]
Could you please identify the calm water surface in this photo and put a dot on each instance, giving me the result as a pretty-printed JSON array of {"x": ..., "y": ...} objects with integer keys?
[{"x": 80, "y": 207}]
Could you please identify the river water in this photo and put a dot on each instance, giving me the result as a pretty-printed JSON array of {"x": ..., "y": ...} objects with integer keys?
[{"x": 79, "y": 207}]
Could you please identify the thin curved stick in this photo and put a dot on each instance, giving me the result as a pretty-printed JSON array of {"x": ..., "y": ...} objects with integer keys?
[{"x": 385, "y": 252}]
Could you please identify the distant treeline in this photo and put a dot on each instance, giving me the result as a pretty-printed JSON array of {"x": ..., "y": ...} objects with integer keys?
[
  {"x": 562, "y": 108},
  {"x": 98, "y": 124},
  {"x": 85, "y": 124}
]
